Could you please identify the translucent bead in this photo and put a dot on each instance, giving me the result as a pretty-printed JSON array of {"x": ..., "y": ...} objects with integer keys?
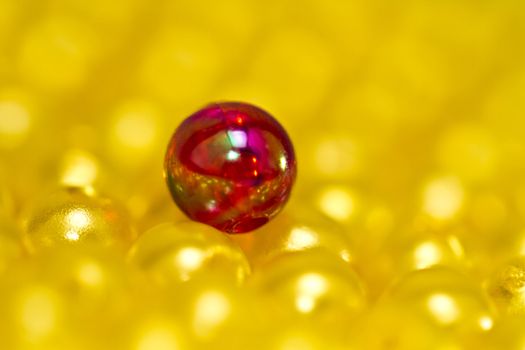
[
  {"x": 78, "y": 216},
  {"x": 391, "y": 326},
  {"x": 506, "y": 285},
  {"x": 312, "y": 285},
  {"x": 447, "y": 299},
  {"x": 174, "y": 253},
  {"x": 295, "y": 229},
  {"x": 55, "y": 300}
]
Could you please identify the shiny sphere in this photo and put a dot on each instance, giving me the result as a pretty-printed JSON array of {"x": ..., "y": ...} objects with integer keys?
[
  {"x": 180, "y": 252},
  {"x": 230, "y": 165},
  {"x": 54, "y": 300},
  {"x": 78, "y": 216},
  {"x": 506, "y": 287},
  {"x": 445, "y": 298},
  {"x": 311, "y": 286},
  {"x": 295, "y": 229}
]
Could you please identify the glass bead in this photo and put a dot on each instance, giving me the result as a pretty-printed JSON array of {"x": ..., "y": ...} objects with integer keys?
[
  {"x": 392, "y": 327},
  {"x": 311, "y": 285},
  {"x": 78, "y": 216},
  {"x": 180, "y": 252},
  {"x": 231, "y": 166},
  {"x": 506, "y": 285},
  {"x": 55, "y": 300},
  {"x": 445, "y": 298},
  {"x": 296, "y": 229}
]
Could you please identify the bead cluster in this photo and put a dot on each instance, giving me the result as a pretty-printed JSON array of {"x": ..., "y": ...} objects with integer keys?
[{"x": 406, "y": 226}]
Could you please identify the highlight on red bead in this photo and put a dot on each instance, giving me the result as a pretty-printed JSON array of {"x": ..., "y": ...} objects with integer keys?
[{"x": 230, "y": 165}]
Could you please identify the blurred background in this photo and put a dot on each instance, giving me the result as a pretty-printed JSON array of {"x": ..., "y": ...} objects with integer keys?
[
  {"x": 397, "y": 109},
  {"x": 408, "y": 117}
]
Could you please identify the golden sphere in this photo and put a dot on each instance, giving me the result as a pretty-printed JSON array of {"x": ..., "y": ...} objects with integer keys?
[
  {"x": 179, "y": 252},
  {"x": 78, "y": 216},
  {"x": 445, "y": 298},
  {"x": 311, "y": 285},
  {"x": 506, "y": 285},
  {"x": 295, "y": 229}
]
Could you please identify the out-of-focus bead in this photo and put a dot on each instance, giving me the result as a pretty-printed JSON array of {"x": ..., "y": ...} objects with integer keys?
[
  {"x": 17, "y": 118},
  {"x": 296, "y": 229},
  {"x": 174, "y": 253},
  {"x": 391, "y": 325},
  {"x": 230, "y": 165},
  {"x": 54, "y": 300},
  {"x": 506, "y": 285},
  {"x": 312, "y": 285},
  {"x": 447, "y": 299},
  {"x": 78, "y": 216}
]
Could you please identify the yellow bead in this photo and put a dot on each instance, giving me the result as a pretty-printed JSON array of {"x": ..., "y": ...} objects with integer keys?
[
  {"x": 445, "y": 298},
  {"x": 179, "y": 252},
  {"x": 17, "y": 118},
  {"x": 78, "y": 217},
  {"x": 312, "y": 285},
  {"x": 295, "y": 229},
  {"x": 402, "y": 253},
  {"x": 392, "y": 327},
  {"x": 55, "y": 300},
  {"x": 136, "y": 127},
  {"x": 506, "y": 285}
]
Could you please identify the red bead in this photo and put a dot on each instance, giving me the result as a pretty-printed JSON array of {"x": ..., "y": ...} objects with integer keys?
[{"x": 230, "y": 165}]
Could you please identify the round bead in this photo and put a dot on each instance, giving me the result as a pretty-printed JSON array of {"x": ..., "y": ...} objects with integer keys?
[
  {"x": 445, "y": 298},
  {"x": 506, "y": 287},
  {"x": 296, "y": 229},
  {"x": 311, "y": 285},
  {"x": 78, "y": 217},
  {"x": 172, "y": 253},
  {"x": 230, "y": 165}
]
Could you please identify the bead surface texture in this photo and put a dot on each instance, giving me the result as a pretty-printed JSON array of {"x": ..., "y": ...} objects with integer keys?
[{"x": 230, "y": 165}]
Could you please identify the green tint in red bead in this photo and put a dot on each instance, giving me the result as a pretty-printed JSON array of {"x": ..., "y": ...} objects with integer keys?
[{"x": 230, "y": 165}]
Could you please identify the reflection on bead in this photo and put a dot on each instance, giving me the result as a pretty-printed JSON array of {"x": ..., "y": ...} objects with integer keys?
[
  {"x": 311, "y": 284},
  {"x": 55, "y": 300},
  {"x": 78, "y": 169},
  {"x": 445, "y": 298},
  {"x": 180, "y": 252},
  {"x": 296, "y": 229},
  {"x": 135, "y": 127},
  {"x": 16, "y": 118},
  {"x": 506, "y": 287},
  {"x": 443, "y": 198},
  {"x": 391, "y": 325},
  {"x": 78, "y": 216},
  {"x": 230, "y": 165}
]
